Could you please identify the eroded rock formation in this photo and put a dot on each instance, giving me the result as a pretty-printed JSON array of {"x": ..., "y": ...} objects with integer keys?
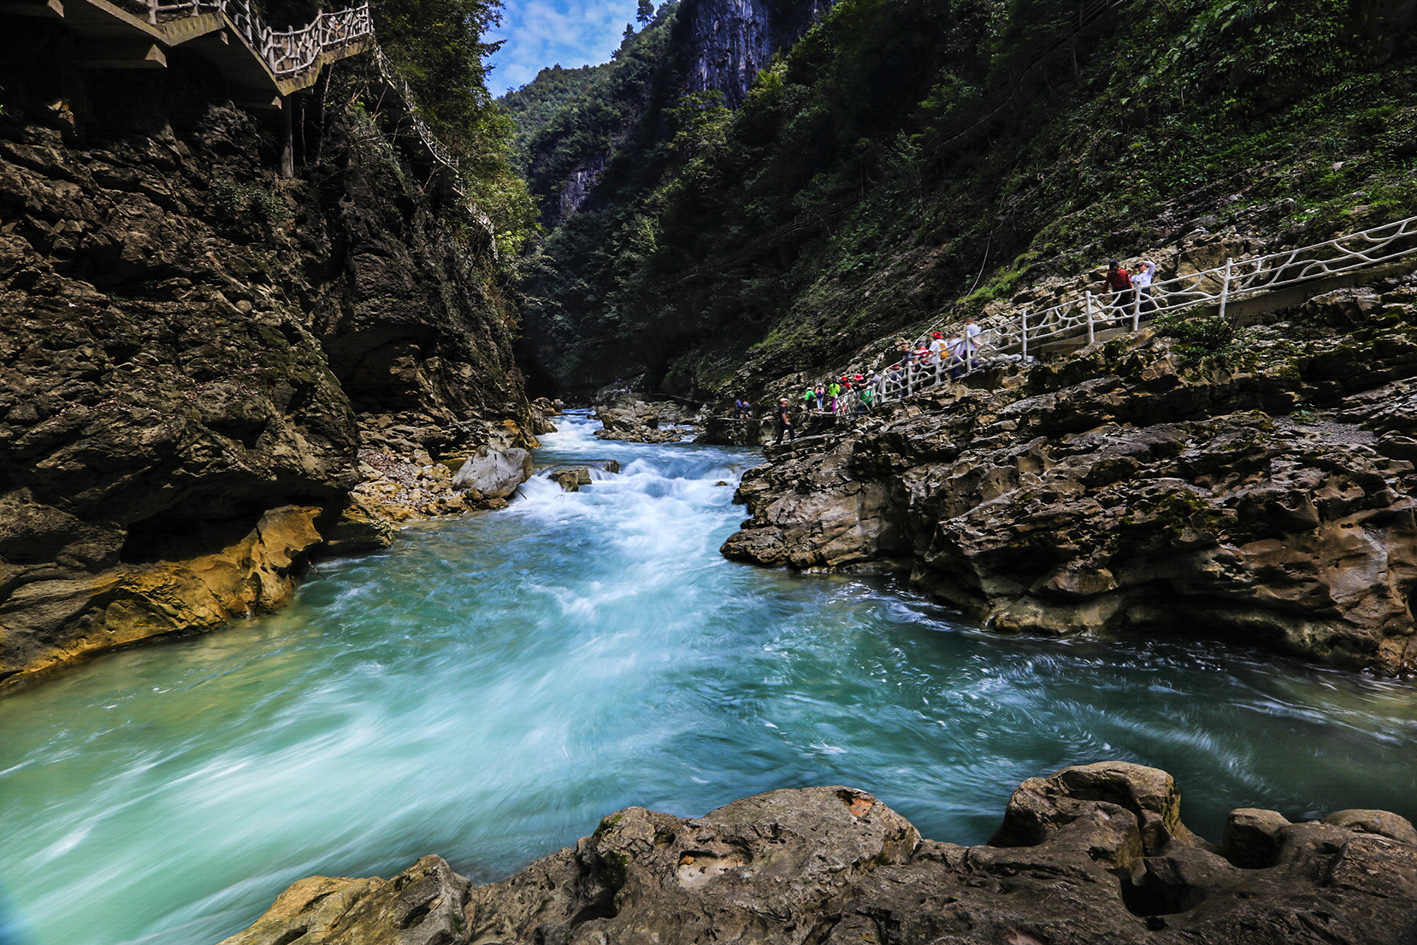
[
  {"x": 192, "y": 353},
  {"x": 1096, "y": 853},
  {"x": 1125, "y": 487}
]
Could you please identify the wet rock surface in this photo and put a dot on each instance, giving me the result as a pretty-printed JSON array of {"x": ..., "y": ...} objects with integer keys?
[
  {"x": 1129, "y": 487},
  {"x": 625, "y": 417},
  {"x": 1095, "y": 853},
  {"x": 494, "y": 474}
]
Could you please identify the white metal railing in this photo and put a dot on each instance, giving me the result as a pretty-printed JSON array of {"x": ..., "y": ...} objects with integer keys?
[{"x": 1020, "y": 336}]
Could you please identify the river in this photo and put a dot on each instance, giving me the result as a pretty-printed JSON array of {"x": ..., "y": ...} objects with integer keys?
[{"x": 495, "y": 684}]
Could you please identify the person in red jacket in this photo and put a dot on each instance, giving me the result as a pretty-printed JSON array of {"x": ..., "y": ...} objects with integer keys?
[{"x": 1119, "y": 282}]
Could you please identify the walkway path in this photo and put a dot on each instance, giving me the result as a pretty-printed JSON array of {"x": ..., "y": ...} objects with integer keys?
[
  {"x": 262, "y": 66},
  {"x": 1244, "y": 286}
]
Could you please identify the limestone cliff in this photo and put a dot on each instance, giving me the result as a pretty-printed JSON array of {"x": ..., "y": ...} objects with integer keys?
[
  {"x": 1095, "y": 853},
  {"x": 190, "y": 346},
  {"x": 1267, "y": 499},
  {"x": 729, "y": 41}
]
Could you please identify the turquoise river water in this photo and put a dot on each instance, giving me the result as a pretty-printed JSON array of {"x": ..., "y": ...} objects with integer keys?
[{"x": 493, "y": 686}]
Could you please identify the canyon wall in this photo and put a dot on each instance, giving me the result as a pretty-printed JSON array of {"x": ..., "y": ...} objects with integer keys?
[{"x": 193, "y": 350}]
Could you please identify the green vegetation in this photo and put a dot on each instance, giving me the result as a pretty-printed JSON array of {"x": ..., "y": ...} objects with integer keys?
[
  {"x": 534, "y": 105},
  {"x": 437, "y": 46},
  {"x": 910, "y": 159},
  {"x": 1201, "y": 339}
]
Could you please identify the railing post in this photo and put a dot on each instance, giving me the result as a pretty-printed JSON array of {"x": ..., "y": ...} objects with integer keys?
[
  {"x": 910, "y": 375},
  {"x": 1091, "y": 328},
  {"x": 1136, "y": 307},
  {"x": 1225, "y": 286},
  {"x": 152, "y": 12},
  {"x": 1023, "y": 333}
]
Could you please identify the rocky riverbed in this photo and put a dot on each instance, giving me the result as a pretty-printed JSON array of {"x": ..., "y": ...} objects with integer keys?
[
  {"x": 1265, "y": 495},
  {"x": 1096, "y": 853}
]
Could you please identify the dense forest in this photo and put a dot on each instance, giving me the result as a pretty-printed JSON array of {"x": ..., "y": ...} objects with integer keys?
[{"x": 910, "y": 158}]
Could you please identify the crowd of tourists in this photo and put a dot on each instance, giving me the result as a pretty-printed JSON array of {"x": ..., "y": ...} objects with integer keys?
[
  {"x": 955, "y": 353},
  {"x": 1124, "y": 292}
]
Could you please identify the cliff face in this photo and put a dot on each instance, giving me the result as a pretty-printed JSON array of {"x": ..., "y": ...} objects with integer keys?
[
  {"x": 616, "y": 115},
  {"x": 729, "y": 41},
  {"x": 189, "y": 347}
]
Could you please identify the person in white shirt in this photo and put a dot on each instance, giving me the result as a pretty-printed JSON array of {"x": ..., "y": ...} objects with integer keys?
[
  {"x": 1141, "y": 282},
  {"x": 971, "y": 336},
  {"x": 937, "y": 345}
]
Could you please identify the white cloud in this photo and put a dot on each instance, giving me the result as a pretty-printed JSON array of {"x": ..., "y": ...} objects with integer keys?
[{"x": 540, "y": 33}]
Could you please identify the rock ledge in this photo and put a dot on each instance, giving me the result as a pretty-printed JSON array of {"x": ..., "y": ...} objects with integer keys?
[{"x": 1096, "y": 853}]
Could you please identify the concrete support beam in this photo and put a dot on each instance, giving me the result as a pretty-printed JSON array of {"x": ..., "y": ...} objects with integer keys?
[{"x": 287, "y": 142}]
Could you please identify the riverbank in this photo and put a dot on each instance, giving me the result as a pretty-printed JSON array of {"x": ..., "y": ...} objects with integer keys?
[
  {"x": 1257, "y": 489},
  {"x": 1093, "y": 853}
]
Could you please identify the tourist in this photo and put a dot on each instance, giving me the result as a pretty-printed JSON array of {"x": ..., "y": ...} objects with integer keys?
[
  {"x": 784, "y": 422},
  {"x": 864, "y": 402},
  {"x": 1141, "y": 284},
  {"x": 937, "y": 345},
  {"x": 958, "y": 349},
  {"x": 972, "y": 332},
  {"x": 833, "y": 393},
  {"x": 1118, "y": 282},
  {"x": 809, "y": 399},
  {"x": 821, "y": 398}
]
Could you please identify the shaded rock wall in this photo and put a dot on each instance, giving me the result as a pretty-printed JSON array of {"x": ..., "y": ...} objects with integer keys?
[
  {"x": 1124, "y": 487},
  {"x": 188, "y": 344},
  {"x": 1096, "y": 853}
]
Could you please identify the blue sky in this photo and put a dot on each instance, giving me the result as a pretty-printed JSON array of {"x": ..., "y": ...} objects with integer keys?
[{"x": 541, "y": 33}]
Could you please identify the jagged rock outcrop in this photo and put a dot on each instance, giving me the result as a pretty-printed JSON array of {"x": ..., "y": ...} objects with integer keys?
[
  {"x": 1096, "y": 853},
  {"x": 188, "y": 344},
  {"x": 1124, "y": 487}
]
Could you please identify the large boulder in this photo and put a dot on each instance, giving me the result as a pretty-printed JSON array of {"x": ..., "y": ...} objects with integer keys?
[
  {"x": 491, "y": 473},
  {"x": 1093, "y": 854}
]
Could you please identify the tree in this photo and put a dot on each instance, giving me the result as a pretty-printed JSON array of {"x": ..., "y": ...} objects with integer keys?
[{"x": 646, "y": 11}]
